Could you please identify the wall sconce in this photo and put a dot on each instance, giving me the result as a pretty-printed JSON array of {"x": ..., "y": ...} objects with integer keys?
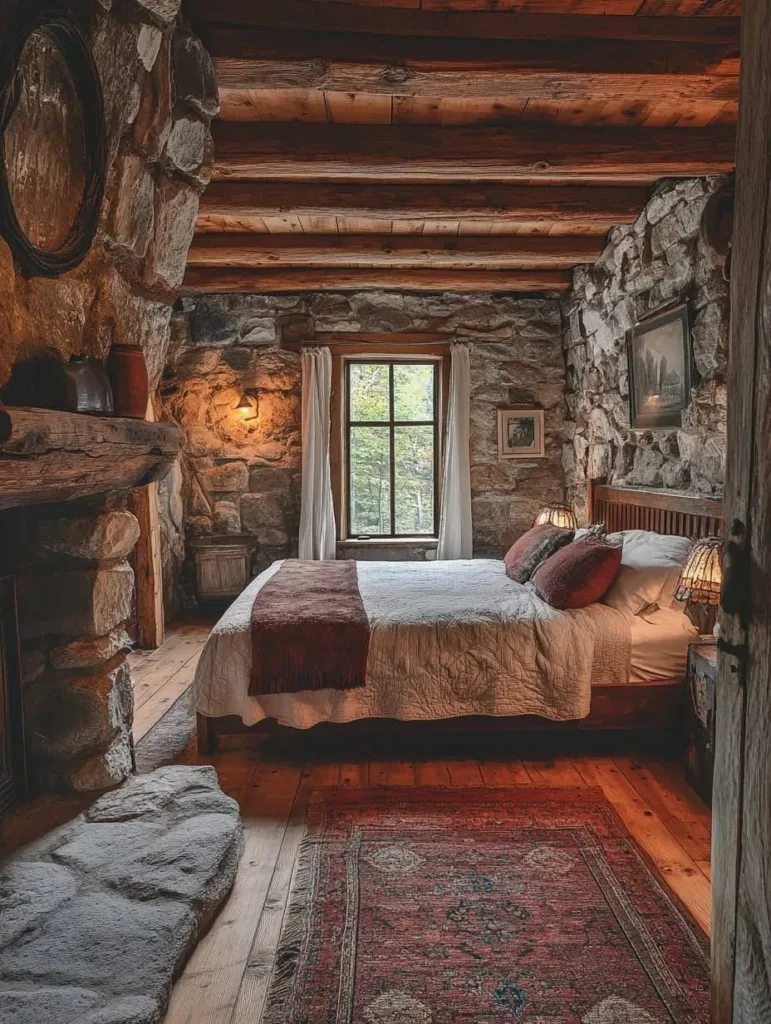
[
  {"x": 249, "y": 404},
  {"x": 557, "y": 515}
]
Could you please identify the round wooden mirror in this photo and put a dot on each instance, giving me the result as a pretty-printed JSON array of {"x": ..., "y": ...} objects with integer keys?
[{"x": 52, "y": 145}]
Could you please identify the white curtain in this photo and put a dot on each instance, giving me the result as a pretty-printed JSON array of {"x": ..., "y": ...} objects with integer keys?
[
  {"x": 317, "y": 513},
  {"x": 455, "y": 539}
]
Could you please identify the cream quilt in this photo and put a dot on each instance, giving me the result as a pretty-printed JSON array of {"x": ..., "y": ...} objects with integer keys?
[{"x": 448, "y": 638}]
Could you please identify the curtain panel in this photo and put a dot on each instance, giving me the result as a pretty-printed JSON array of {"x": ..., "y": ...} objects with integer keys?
[
  {"x": 317, "y": 513},
  {"x": 455, "y": 525}
]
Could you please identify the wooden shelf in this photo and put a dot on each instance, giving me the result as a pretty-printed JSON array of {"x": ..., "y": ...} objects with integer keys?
[{"x": 46, "y": 455}]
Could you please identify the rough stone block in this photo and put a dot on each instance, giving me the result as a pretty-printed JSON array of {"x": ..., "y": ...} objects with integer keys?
[
  {"x": 106, "y": 538},
  {"x": 132, "y": 214},
  {"x": 162, "y": 11},
  {"x": 80, "y": 603},
  {"x": 189, "y": 147},
  {"x": 102, "y": 770},
  {"x": 264, "y": 516},
  {"x": 230, "y": 476},
  {"x": 176, "y": 210},
  {"x": 227, "y": 518},
  {"x": 97, "y": 918},
  {"x": 90, "y": 653},
  {"x": 69, "y": 718},
  {"x": 153, "y": 120},
  {"x": 195, "y": 82}
]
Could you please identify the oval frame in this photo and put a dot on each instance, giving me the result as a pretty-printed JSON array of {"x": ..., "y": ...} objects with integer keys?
[{"x": 65, "y": 34}]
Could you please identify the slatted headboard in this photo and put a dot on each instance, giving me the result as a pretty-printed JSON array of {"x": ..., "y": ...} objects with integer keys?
[{"x": 625, "y": 508}]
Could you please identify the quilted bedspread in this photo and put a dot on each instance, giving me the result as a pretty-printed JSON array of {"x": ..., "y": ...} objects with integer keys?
[{"x": 448, "y": 638}]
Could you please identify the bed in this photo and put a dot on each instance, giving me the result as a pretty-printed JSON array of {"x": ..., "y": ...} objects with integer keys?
[{"x": 429, "y": 659}]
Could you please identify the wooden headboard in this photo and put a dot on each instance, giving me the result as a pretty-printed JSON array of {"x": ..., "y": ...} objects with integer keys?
[{"x": 626, "y": 508}]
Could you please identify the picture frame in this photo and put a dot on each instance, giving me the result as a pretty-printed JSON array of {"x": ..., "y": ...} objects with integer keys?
[
  {"x": 660, "y": 354},
  {"x": 521, "y": 434}
]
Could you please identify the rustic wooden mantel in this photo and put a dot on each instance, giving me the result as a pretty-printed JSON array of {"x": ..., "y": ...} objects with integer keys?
[{"x": 48, "y": 456}]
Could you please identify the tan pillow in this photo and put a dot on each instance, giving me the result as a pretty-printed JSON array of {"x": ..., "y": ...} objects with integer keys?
[{"x": 650, "y": 568}]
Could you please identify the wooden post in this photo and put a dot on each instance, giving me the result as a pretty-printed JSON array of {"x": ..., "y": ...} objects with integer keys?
[
  {"x": 148, "y": 563},
  {"x": 143, "y": 502}
]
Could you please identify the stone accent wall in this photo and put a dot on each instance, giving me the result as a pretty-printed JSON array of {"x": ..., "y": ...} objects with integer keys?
[
  {"x": 660, "y": 259},
  {"x": 75, "y": 589},
  {"x": 160, "y": 94},
  {"x": 75, "y": 584},
  {"x": 243, "y": 477}
]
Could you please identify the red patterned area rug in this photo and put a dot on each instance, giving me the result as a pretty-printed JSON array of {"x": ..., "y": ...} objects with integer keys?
[{"x": 482, "y": 907}]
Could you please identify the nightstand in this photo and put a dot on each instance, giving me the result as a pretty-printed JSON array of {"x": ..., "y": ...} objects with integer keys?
[{"x": 700, "y": 716}]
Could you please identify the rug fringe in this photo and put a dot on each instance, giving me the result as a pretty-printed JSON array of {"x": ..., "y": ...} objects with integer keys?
[{"x": 294, "y": 934}]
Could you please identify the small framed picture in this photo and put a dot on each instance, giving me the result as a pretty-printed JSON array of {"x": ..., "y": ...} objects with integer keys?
[
  {"x": 659, "y": 353},
  {"x": 520, "y": 434}
]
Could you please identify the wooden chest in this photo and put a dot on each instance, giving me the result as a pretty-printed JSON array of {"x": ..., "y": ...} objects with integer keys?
[{"x": 222, "y": 569}]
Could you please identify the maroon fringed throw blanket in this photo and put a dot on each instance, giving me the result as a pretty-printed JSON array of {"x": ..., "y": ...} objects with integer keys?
[{"x": 309, "y": 630}]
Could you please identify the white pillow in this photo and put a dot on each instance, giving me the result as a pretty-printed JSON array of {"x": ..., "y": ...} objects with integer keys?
[{"x": 650, "y": 568}]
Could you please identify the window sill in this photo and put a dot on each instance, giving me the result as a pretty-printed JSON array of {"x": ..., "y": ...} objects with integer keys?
[{"x": 389, "y": 542}]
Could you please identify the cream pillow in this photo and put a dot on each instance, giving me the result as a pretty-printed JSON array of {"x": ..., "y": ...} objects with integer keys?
[{"x": 650, "y": 569}]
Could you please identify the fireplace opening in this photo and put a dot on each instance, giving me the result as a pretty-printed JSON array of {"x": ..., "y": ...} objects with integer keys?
[{"x": 13, "y": 776}]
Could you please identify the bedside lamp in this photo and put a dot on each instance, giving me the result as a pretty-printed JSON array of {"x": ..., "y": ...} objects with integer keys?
[
  {"x": 557, "y": 515},
  {"x": 700, "y": 582}
]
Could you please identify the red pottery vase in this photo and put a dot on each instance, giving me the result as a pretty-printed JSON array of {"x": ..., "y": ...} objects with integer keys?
[{"x": 127, "y": 371}]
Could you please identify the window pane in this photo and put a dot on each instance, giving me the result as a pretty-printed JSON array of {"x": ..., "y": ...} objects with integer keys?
[
  {"x": 370, "y": 511},
  {"x": 414, "y": 392},
  {"x": 369, "y": 391},
  {"x": 414, "y": 456}
]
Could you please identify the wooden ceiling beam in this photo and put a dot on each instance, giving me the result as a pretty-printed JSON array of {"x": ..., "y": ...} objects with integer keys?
[
  {"x": 226, "y": 279},
  {"x": 313, "y": 16},
  {"x": 228, "y": 205},
  {"x": 524, "y": 153},
  {"x": 557, "y": 70},
  {"x": 518, "y": 252}
]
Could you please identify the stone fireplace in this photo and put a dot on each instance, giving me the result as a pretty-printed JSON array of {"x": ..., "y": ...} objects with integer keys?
[{"x": 66, "y": 534}]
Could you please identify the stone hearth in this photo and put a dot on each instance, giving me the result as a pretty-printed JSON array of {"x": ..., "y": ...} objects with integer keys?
[{"x": 97, "y": 918}]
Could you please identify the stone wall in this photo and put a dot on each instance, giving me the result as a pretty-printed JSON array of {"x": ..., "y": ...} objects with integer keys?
[
  {"x": 243, "y": 476},
  {"x": 160, "y": 93},
  {"x": 75, "y": 584},
  {"x": 661, "y": 259}
]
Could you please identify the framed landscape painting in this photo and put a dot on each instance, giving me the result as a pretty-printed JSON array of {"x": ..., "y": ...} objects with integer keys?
[
  {"x": 659, "y": 351},
  {"x": 520, "y": 434}
]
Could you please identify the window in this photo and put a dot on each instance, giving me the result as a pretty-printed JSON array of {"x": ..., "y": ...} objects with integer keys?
[{"x": 392, "y": 447}]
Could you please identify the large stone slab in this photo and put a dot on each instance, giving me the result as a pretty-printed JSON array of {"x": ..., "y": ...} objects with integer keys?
[{"x": 97, "y": 919}]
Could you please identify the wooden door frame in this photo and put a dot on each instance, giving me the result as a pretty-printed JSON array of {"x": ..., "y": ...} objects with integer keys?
[{"x": 741, "y": 917}]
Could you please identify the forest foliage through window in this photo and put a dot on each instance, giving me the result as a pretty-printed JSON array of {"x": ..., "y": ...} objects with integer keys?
[{"x": 392, "y": 431}]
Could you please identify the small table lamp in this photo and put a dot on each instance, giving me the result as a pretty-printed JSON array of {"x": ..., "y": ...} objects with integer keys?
[
  {"x": 700, "y": 582},
  {"x": 557, "y": 515}
]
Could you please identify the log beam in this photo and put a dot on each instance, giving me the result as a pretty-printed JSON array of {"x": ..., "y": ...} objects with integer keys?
[
  {"x": 227, "y": 279},
  {"x": 524, "y": 153},
  {"x": 515, "y": 252},
  {"x": 555, "y": 70},
  {"x": 47, "y": 455},
  {"x": 472, "y": 24},
  {"x": 230, "y": 205}
]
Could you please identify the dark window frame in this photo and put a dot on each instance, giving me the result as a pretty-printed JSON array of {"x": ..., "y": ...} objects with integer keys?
[{"x": 391, "y": 424}]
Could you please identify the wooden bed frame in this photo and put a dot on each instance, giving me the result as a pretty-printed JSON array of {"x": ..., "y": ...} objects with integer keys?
[{"x": 653, "y": 706}]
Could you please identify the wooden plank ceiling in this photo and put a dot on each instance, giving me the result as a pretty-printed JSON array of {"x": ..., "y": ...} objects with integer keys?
[{"x": 450, "y": 144}]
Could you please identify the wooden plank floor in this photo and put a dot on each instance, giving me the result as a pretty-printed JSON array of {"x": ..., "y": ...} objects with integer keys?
[{"x": 226, "y": 979}]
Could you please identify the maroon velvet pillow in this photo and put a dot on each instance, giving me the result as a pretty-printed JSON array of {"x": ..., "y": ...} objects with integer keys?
[
  {"x": 534, "y": 547},
  {"x": 579, "y": 574}
]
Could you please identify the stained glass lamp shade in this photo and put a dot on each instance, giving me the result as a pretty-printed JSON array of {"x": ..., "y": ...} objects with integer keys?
[
  {"x": 702, "y": 575},
  {"x": 557, "y": 515}
]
